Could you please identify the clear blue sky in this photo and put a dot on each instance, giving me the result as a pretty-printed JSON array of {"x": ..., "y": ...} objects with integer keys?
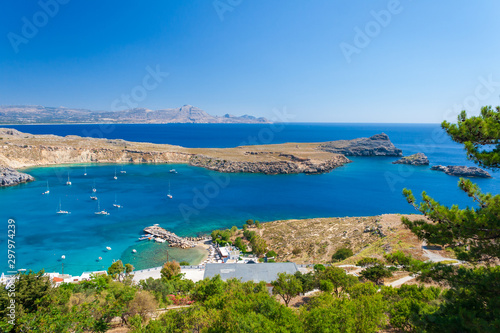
[{"x": 263, "y": 55}]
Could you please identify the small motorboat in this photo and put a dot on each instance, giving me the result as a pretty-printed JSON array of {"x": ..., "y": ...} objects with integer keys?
[
  {"x": 68, "y": 182},
  {"x": 173, "y": 171},
  {"x": 100, "y": 258},
  {"x": 93, "y": 197},
  {"x": 108, "y": 248},
  {"x": 123, "y": 171},
  {"x": 85, "y": 173},
  {"x": 134, "y": 251},
  {"x": 115, "y": 178},
  {"x": 63, "y": 257}
]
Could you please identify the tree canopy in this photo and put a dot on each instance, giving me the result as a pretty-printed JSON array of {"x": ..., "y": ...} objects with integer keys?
[{"x": 472, "y": 302}]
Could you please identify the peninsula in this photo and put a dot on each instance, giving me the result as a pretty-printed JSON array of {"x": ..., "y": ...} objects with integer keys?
[{"x": 20, "y": 150}]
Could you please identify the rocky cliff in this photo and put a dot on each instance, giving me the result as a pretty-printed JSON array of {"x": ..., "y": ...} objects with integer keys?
[
  {"x": 11, "y": 177},
  {"x": 415, "y": 159},
  {"x": 377, "y": 145},
  {"x": 462, "y": 171},
  {"x": 269, "y": 167}
]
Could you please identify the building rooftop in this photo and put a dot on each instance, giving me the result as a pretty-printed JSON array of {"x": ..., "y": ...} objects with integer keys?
[{"x": 250, "y": 272}]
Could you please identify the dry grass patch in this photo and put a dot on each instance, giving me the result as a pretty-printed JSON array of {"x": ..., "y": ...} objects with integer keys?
[{"x": 316, "y": 240}]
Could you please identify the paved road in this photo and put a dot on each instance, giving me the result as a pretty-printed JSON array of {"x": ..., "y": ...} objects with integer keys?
[
  {"x": 435, "y": 257},
  {"x": 399, "y": 282}
]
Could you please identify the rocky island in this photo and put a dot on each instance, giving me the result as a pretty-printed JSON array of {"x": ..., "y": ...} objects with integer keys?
[
  {"x": 415, "y": 159},
  {"x": 462, "y": 171},
  {"x": 19, "y": 150}
]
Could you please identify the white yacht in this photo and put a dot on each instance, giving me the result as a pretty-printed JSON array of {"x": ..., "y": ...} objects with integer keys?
[
  {"x": 117, "y": 205},
  {"x": 99, "y": 211},
  {"x": 169, "y": 195},
  {"x": 48, "y": 190},
  {"x": 60, "y": 211}
]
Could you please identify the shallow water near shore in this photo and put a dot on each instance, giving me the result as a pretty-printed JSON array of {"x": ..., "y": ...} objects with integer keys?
[{"x": 205, "y": 200}]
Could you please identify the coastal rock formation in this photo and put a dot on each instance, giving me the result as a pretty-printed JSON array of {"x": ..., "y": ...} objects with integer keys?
[
  {"x": 462, "y": 171},
  {"x": 294, "y": 165},
  {"x": 10, "y": 177},
  {"x": 377, "y": 145},
  {"x": 415, "y": 159},
  {"x": 172, "y": 239}
]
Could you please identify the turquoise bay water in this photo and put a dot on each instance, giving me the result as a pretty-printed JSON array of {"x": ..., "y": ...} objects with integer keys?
[{"x": 205, "y": 200}]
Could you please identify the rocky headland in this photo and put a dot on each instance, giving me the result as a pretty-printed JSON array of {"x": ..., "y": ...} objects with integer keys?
[
  {"x": 11, "y": 177},
  {"x": 20, "y": 150},
  {"x": 377, "y": 145},
  {"x": 415, "y": 159},
  {"x": 462, "y": 171}
]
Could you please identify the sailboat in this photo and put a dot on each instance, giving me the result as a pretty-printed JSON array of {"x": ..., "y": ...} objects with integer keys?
[
  {"x": 60, "y": 211},
  {"x": 68, "y": 182},
  {"x": 99, "y": 211},
  {"x": 123, "y": 171},
  {"x": 169, "y": 195},
  {"x": 92, "y": 196},
  {"x": 117, "y": 205},
  {"x": 85, "y": 173},
  {"x": 115, "y": 178},
  {"x": 48, "y": 190}
]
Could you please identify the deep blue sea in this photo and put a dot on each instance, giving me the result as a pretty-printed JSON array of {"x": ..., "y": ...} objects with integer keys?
[{"x": 205, "y": 200}]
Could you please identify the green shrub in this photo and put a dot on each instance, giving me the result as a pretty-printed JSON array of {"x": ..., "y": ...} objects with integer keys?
[{"x": 342, "y": 254}]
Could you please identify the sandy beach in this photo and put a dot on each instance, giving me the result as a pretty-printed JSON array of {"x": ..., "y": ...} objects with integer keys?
[{"x": 203, "y": 248}]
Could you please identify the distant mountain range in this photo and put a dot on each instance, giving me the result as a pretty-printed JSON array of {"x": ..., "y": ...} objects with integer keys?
[{"x": 29, "y": 114}]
